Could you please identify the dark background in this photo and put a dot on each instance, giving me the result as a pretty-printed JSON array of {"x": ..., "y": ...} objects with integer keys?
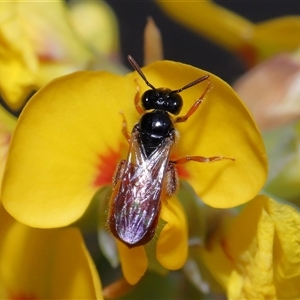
[{"x": 181, "y": 44}]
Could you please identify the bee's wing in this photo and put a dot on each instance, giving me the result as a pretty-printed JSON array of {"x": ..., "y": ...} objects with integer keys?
[{"x": 135, "y": 201}]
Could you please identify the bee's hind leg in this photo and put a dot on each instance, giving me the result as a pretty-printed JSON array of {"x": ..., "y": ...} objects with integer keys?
[
  {"x": 171, "y": 180},
  {"x": 201, "y": 159}
]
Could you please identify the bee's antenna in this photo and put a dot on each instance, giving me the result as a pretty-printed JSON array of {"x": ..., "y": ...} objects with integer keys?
[
  {"x": 190, "y": 84},
  {"x": 138, "y": 69}
]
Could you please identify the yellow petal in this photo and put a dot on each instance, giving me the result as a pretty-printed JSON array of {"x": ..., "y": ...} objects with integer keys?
[
  {"x": 261, "y": 252},
  {"x": 44, "y": 264},
  {"x": 286, "y": 253},
  {"x": 65, "y": 132},
  {"x": 229, "y": 29},
  {"x": 257, "y": 272},
  {"x": 68, "y": 129},
  {"x": 57, "y": 46},
  {"x": 38, "y": 44},
  {"x": 221, "y": 126},
  {"x": 253, "y": 42},
  {"x": 97, "y": 25},
  {"x": 172, "y": 244},
  {"x": 47, "y": 26},
  {"x": 17, "y": 60},
  {"x": 276, "y": 36},
  {"x": 134, "y": 262}
]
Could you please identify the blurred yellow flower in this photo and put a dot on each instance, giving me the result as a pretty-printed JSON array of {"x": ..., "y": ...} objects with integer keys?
[
  {"x": 271, "y": 92},
  {"x": 256, "y": 255},
  {"x": 37, "y": 44},
  {"x": 44, "y": 264},
  {"x": 97, "y": 25},
  {"x": 68, "y": 141},
  {"x": 253, "y": 42}
]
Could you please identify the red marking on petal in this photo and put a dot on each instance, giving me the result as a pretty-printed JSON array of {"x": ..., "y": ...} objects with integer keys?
[
  {"x": 181, "y": 169},
  {"x": 106, "y": 167},
  {"x": 22, "y": 297},
  {"x": 182, "y": 172}
]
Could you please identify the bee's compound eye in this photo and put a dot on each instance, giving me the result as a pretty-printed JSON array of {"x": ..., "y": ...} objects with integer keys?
[
  {"x": 174, "y": 104},
  {"x": 149, "y": 99}
]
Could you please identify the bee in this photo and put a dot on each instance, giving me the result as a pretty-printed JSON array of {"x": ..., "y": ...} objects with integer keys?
[{"x": 148, "y": 175}]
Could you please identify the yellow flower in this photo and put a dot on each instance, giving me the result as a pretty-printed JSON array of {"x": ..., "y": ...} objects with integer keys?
[
  {"x": 68, "y": 141},
  {"x": 100, "y": 27},
  {"x": 37, "y": 44},
  {"x": 253, "y": 42},
  {"x": 256, "y": 255},
  {"x": 44, "y": 264}
]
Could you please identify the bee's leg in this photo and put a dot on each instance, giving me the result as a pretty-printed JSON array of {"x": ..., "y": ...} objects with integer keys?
[
  {"x": 124, "y": 128},
  {"x": 118, "y": 172},
  {"x": 137, "y": 100},
  {"x": 171, "y": 180},
  {"x": 187, "y": 158},
  {"x": 195, "y": 105}
]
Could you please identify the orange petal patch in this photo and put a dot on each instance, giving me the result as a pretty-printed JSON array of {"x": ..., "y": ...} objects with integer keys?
[{"x": 107, "y": 166}]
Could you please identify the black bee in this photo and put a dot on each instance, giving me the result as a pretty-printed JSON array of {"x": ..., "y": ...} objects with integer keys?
[{"x": 148, "y": 175}]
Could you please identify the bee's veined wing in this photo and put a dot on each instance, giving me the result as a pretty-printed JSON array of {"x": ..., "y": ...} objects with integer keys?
[{"x": 135, "y": 202}]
